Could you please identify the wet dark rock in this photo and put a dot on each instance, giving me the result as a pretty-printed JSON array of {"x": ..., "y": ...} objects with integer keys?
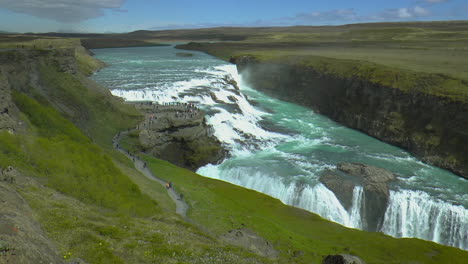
[
  {"x": 342, "y": 259},
  {"x": 213, "y": 96},
  {"x": 231, "y": 108},
  {"x": 273, "y": 127},
  {"x": 232, "y": 98},
  {"x": 228, "y": 80},
  {"x": 184, "y": 54}
]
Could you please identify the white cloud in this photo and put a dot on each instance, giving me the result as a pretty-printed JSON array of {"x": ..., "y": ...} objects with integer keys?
[
  {"x": 420, "y": 11},
  {"x": 349, "y": 15},
  {"x": 404, "y": 13},
  {"x": 62, "y": 10}
]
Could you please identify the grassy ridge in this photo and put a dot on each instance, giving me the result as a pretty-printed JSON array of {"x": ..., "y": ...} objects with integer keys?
[
  {"x": 67, "y": 161},
  {"x": 89, "y": 105},
  {"x": 92, "y": 209},
  {"x": 89, "y": 198},
  {"x": 221, "y": 206}
]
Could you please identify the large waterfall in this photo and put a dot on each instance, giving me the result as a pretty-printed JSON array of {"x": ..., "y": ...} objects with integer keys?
[{"x": 281, "y": 149}]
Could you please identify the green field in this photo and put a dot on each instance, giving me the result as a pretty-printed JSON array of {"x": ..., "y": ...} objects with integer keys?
[{"x": 426, "y": 56}]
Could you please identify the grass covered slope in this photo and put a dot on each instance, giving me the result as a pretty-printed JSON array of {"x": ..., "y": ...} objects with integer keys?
[
  {"x": 91, "y": 210},
  {"x": 56, "y": 151},
  {"x": 300, "y": 236},
  {"x": 88, "y": 198}
]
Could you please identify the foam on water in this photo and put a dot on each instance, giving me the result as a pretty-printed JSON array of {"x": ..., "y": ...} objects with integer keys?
[{"x": 284, "y": 166}]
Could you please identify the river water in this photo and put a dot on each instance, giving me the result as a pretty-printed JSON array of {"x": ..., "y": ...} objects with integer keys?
[{"x": 281, "y": 149}]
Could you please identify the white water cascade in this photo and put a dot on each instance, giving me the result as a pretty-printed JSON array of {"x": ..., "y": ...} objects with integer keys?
[
  {"x": 416, "y": 214},
  {"x": 282, "y": 165}
]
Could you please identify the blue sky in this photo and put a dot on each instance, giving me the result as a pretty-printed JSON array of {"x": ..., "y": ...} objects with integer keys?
[{"x": 130, "y": 15}]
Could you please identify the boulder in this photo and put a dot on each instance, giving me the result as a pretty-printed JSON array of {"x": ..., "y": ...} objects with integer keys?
[
  {"x": 9, "y": 174},
  {"x": 376, "y": 191},
  {"x": 367, "y": 173},
  {"x": 342, "y": 259},
  {"x": 340, "y": 186}
]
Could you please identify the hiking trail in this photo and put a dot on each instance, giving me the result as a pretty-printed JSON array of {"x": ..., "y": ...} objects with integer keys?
[{"x": 181, "y": 205}]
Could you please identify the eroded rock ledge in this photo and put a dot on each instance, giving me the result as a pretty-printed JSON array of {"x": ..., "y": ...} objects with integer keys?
[
  {"x": 179, "y": 134},
  {"x": 374, "y": 181}
]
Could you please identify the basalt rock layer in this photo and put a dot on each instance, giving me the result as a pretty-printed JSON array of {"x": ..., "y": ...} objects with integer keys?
[{"x": 433, "y": 128}]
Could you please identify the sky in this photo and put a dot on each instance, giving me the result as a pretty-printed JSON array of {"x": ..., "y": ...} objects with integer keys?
[{"x": 106, "y": 16}]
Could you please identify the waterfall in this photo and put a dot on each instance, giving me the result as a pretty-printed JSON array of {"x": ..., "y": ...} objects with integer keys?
[
  {"x": 416, "y": 214},
  {"x": 287, "y": 165}
]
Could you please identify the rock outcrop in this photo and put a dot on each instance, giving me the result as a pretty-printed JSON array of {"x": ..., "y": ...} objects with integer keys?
[
  {"x": 22, "y": 239},
  {"x": 433, "y": 128},
  {"x": 342, "y": 259},
  {"x": 179, "y": 134},
  {"x": 9, "y": 114},
  {"x": 376, "y": 190}
]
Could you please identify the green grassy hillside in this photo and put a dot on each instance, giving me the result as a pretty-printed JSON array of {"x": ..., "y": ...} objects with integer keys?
[
  {"x": 89, "y": 198},
  {"x": 96, "y": 206},
  {"x": 221, "y": 206}
]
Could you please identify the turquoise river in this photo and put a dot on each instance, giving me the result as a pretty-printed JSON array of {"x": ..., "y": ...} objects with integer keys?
[{"x": 281, "y": 149}]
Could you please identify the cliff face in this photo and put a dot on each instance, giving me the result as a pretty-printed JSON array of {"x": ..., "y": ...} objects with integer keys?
[
  {"x": 179, "y": 134},
  {"x": 432, "y": 128}
]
